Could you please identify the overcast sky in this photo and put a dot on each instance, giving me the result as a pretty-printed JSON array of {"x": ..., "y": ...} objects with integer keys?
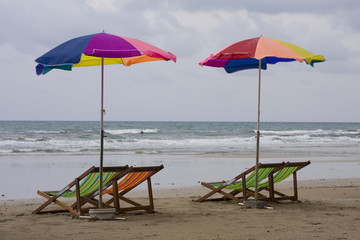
[{"x": 182, "y": 91}]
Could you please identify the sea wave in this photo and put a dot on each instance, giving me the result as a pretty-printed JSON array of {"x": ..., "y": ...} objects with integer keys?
[
  {"x": 334, "y": 132},
  {"x": 172, "y": 137},
  {"x": 47, "y": 131},
  {"x": 130, "y": 131}
]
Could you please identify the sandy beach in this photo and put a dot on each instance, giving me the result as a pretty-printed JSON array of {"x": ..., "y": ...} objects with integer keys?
[{"x": 329, "y": 209}]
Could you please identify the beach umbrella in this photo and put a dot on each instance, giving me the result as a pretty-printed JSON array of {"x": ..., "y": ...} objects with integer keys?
[
  {"x": 257, "y": 53},
  {"x": 100, "y": 49}
]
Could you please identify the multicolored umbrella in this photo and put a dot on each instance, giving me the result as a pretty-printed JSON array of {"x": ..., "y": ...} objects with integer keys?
[
  {"x": 100, "y": 49},
  {"x": 91, "y": 49},
  {"x": 258, "y": 53},
  {"x": 246, "y": 55}
]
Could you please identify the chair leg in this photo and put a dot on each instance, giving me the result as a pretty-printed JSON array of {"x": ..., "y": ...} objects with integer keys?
[
  {"x": 271, "y": 188},
  {"x": 244, "y": 188},
  {"x": 151, "y": 199},
  {"x": 51, "y": 199},
  {"x": 295, "y": 186},
  {"x": 78, "y": 205},
  {"x": 214, "y": 191},
  {"x": 116, "y": 197},
  {"x": 61, "y": 204}
]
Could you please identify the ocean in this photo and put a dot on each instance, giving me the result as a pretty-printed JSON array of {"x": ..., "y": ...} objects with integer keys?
[
  {"x": 81, "y": 137},
  {"x": 47, "y": 155}
]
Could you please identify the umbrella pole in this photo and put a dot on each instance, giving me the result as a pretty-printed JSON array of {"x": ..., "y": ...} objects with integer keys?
[
  {"x": 101, "y": 134},
  {"x": 258, "y": 137}
]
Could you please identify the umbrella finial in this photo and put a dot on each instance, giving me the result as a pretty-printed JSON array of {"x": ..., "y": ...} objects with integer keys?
[{"x": 103, "y": 31}]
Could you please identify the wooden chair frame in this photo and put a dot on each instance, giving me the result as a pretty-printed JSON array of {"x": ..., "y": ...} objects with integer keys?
[
  {"x": 76, "y": 207},
  {"x": 136, "y": 206},
  {"x": 276, "y": 196},
  {"x": 247, "y": 192},
  {"x": 110, "y": 187}
]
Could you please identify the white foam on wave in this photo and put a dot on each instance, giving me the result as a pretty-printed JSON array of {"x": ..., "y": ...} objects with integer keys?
[
  {"x": 310, "y": 132},
  {"x": 45, "y": 131},
  {"x": 307, "y": 139},
  {"x": 52, "y": 145},
  {"x": 191, "y": 143},
  {"x": 130, "y": 131}
]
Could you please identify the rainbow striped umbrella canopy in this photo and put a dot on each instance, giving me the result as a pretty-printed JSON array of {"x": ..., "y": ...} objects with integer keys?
[
  {"x": 247, "y": 54},
  {"x": 258, "y": 53},
  {"x": 90, "y": 49}
]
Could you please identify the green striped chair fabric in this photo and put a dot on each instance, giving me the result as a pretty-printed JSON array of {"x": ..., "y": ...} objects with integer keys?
[
  {"x": 280, "y": 175},
  {"x": 88, "y": 185},
  {"x": 263, "y": 173}
]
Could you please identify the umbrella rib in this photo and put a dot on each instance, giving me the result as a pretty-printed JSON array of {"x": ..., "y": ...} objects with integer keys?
[
  {"x": 109, "y": 50},
  {"x": 231, "y": 54}
]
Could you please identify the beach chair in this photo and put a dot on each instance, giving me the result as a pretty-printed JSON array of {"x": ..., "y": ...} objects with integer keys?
[
  {"x": 133, "y": 178},
  {"x": 244, "y": 183},
  {"x": 290, "y": 168},
  {"x": 229, "y": 189},
  {"x": 84, "y": 188}
]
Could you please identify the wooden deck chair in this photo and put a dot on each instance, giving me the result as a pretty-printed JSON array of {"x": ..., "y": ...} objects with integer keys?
[
  {"x": 83, "y": 186},
  {"x": 290, "y": 168},
  {"x": 240, "y": 184},
  {"x": 133, "y": 178},
  {"x": 277, "y": 174}
]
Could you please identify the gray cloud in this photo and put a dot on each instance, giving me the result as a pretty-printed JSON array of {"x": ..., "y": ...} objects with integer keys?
[{"x": 182, "y": 91}]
